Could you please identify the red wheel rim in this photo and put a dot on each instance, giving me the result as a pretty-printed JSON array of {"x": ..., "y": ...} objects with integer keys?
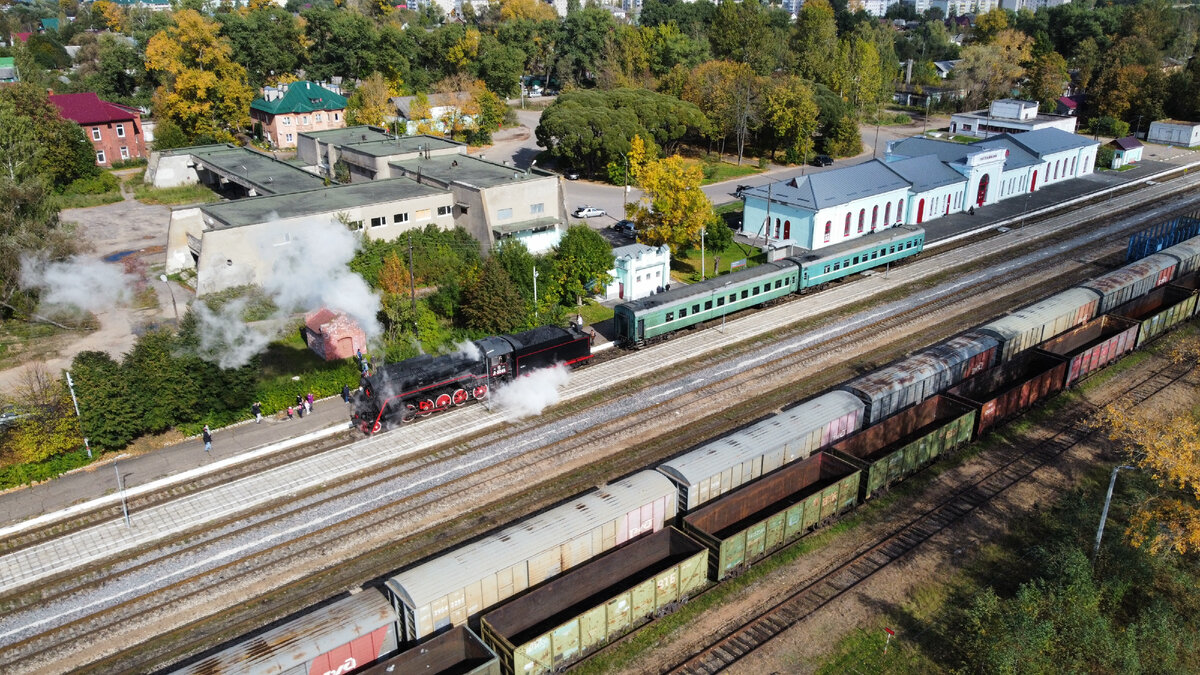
[
  {"x": 481, "y": 391},
  {"x": 443, "y": 401},
  {"x": 426, "y": 406},
  {"x": 375, "y": 429},
  {"x": 460, "y": 397}
]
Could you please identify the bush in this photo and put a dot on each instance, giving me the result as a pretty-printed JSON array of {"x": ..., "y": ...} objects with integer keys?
[
  {"x": 129, "y": 163},
  {"x": 23, "y": 474},
  {"x": 97, "y": 185},
  {"x": 1110, "y": 126},
  {"x": 1104, "y": 158},
  {"x": 709, "y": 170}
]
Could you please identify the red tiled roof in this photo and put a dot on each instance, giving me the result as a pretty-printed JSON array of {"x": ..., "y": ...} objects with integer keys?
[
  {"x": 23, "y": 37},
  {"x": 314, "y": 320},
  {"x": 1068, "y": 102},
  {"x": 87, "y": 108}
]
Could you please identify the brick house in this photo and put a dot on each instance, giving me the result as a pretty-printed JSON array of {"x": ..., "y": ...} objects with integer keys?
[
  {"x": 333, "y": 335},
  {"x": 291, "y": 109},
  {"x": 115, "y": 130}
]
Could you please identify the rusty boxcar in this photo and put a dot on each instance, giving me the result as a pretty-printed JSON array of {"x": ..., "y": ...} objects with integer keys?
[
  {"x": 336, "y": 638},
  {"x": 1188, "y": 254},
  {"x": 448, "y": 589},
  {"x": 903, "y": 443},
  {"x": 458, "y": 651},
  {"x": 1190, "y": 283},
  {"x": 766, "y": 514},
  {"x": 721, "y": 465},
  {"x": 1133, "y": 280},
  {"x": 1032, "y": 325},
  {"x": 1011, "y": 388},
  {"x": 568, "y": 618},
  {"x": 929, "y": 371},
  {"x": 1094, "y": 345}
]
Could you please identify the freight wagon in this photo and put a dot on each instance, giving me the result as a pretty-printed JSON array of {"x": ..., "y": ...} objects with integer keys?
[
  {"x": 1132, "y": 281},
  {"x": 761, "y": 517},
  {"x": 452, "y": 587},
  {"x": 1159, "y": 311},
  {"x": 1094, "y": 345},
  {"x": 570, "y": 617},
  {"x": 915, "y": 378},
  {"x": 899, "y": 445},
  {"x": 1011, "y": 388},
  {"x": 721, "y": 465},
  {"x": 458, "y": 651},
  {"x": 1030, "y": 326}
]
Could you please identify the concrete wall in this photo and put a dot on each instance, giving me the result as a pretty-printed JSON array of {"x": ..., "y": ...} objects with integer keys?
[
  {"x": 165, "y": 171},
  {"x": 1174, "y": 133},
  {"x": 183, "y": 222}
]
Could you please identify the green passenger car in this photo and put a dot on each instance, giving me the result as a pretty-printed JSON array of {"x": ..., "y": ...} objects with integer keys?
[
  {"x": 686, "y": 306},
  {"x": 858, "y": 255}
]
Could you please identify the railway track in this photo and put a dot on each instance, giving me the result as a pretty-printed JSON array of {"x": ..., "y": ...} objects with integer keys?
[
  {"x": 777, "y": 619},
  {"x": 440, "y": 502}
]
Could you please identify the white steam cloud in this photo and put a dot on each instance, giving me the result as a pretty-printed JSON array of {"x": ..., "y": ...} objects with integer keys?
[
  {"x": 467, "y": 349},
  {"x": 225, "y": 339},
  {"x": 310, "y": 271},
  {"x": 530, "y": 394},
  {"x": 85, "y": 283},
  {"x": 313, "y": 271}
]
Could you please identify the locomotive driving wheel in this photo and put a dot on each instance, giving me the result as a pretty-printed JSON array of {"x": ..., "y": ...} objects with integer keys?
[
  {"x": 409, "y": 413},
  {"x": 377, "y": 427},
  {"x": 460, "y": 396},
  {"x": 480, "y": 391},
  {"x": 443, "y": 401},
  {"x": 425, "y": 406}
]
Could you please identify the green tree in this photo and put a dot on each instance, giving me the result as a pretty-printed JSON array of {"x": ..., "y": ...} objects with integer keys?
[
  {"x": 673, "y": 209},
  {"x": 991, "y": 71},
  {"x": 500, "y": 66},
  {"x": 341, "y": 43},
  {"x": 582, "y": 262},
  {"x": 989, "y": 24},
  {"x": 491, "y": 303},
  {"x": 64, "y": 153},
  {"x": 581, "y": 49},
  {"x": 50, "y": 427},
  {"x": 843, "y": 139},
  {"x": 790, "y": 113},
  {"x": 158, "y": 382},
  {"x": 814, "y": 41},
  {"x": 109, "y": 417},
  {"x": 741, "y": 32},
  {"x": 204, "y": 91},
  {"x": 268, "y": 41},
  {"x": 1047, "y": 79},
  {"x": 369, "y": 104}
]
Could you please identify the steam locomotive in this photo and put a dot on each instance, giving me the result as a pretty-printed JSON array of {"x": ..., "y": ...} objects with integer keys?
[{"x": 425, "y": 384}]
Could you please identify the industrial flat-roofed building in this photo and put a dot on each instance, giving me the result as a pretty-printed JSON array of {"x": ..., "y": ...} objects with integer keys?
[
  {"x": 1008, "y": 116},
  {"x": 232, "y": 171},
  {"x": 368, "y": 150},
  {"x": 494, "y": 201},
  {"x": 239, "y": 242}
]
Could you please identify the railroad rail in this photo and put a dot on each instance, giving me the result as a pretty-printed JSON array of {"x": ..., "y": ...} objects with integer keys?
[{"x": 760, "y": 630}]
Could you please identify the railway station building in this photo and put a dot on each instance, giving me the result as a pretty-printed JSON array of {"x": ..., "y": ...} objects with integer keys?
[{"x": 918, "y": 180}]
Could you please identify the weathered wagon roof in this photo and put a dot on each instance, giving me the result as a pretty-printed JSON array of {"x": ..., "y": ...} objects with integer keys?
[{"x": 1042, "y": 312}]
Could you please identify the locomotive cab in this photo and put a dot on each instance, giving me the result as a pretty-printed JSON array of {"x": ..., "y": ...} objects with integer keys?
[{"x": 498, "y": 355}]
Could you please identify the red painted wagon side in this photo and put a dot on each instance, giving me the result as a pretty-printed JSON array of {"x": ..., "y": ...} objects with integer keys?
[{"x": 1094, "y": 345}]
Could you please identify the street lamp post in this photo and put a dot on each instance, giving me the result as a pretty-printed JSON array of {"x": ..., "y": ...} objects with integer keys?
[
  {"x": 1104, "y": 514},
  {"x": 121, "y": 488},
  {"x": 702, "y": 232},
  {"x": 75, "y": 402},
  {"x": 625, "y": 199},
  {"x": 535, "y": 302},
  {"x": 163, "y": 278}
]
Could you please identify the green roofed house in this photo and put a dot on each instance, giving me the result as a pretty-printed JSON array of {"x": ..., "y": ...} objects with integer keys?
[
  {"x": 291, "y": 109},
  {"x": 8, "y": 69}
]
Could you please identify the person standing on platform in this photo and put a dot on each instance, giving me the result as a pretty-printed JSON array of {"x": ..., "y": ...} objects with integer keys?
[
  {"x": 311, "y": 401},
  {"x": 346, "y": 393},
  {"x": 207, "y": 439},
  {"x": 257, "y": 410}
]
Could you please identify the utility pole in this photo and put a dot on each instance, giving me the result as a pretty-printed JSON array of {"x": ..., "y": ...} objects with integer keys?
[
  {"x": 1104, "y": 514},
  {"x": 702, "y": 232},
  {"x": 412, "y": 286},
  {"x": 71, "y": 387},
  {"x": 535, "y": 302},
  {"x": 121, "y": 488}
]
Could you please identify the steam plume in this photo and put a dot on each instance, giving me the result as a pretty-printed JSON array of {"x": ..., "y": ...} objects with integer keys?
[
  {"x": 530, "y": 394},
  {"x": 85, "y": 283}
]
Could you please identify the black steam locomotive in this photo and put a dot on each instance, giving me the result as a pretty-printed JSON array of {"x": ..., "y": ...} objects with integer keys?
[{"x": 426, "y": 384}]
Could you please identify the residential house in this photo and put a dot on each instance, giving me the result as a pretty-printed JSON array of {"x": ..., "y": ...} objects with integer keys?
[
  {"x": 115, "y": 130},
  {"x": 444, "y": 111},
  {"x": 8, "y": 69},
  {"x": 1126, "y": 150},
  {"x": 1008, "y": 115},
  {"x": 638, "y": 272},
  {"x": 291, "y": 109},
  {"x": 1174, "y": 132}
]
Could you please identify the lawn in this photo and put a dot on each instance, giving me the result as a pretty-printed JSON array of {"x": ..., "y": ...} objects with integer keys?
[
  {"x": 726, "y": 171},
  {"x": 184, "y": 194},
  {"x": 594, "y": 312},
  {"x": 87, "y": 201},
  {"x": 685, "y": 266}
]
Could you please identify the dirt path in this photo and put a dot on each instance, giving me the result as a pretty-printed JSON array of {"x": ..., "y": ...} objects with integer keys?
[{"x": 803, "y": 647}]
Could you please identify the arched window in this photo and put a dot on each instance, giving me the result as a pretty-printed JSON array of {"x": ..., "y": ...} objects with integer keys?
[
  {"x": 887, "y": 214},
  {"x": 875, "y": 217},
  {"x": 1073, "y": 165},
  {"x": 776, "y": 228},
  {"x": 1056, "y": 170},
  {"x": 787, "y": 229},
  {"x": 900, "y": 212},
  {"x": 828, "y": 230},
  {"x": 862, "y": 219},
  {"x": 846, "y": 233}
]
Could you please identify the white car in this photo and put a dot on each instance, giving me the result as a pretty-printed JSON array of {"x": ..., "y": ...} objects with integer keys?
[{"x": 588, "y": 212}]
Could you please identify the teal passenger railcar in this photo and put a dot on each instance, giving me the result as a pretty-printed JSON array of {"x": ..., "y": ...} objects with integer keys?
[{"x": 683, "y": 307}]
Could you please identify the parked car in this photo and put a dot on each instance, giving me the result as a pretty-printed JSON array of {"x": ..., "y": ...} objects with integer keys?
[
  {"x": 588, "y": 212},
  {"x": 571, "y": 174},
  {"x": 823, "y": 160},
  {"x": 625, "y": 227}
]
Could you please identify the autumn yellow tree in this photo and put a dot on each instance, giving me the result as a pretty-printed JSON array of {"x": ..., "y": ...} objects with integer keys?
[
  {"x": 459, "y": 94},
  {"x": 204, "y": 91},
  {"x": 369, "y": 104},
  {"x": 1167, "y": 447},
  {"x": 673, "y": 209},
  {"x": 393, "y": 276},
  {"x": 527, "y": 9},
  {"x": 114, "y": 15}
]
